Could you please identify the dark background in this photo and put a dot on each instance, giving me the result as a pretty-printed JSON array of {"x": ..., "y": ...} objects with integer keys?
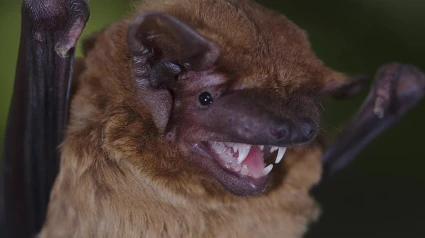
[{"x": 383, "y": 193}]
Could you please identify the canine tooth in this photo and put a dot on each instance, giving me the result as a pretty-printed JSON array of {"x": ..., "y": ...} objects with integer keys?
[
  {"x": 244, "y": 170},
  {"x": 267, "y": 169},
  {"x": 261, "y": 147},
  {"x": 240, "y": 155},
  {"x": 233, "y": 147},
  {"x": 274, "y": 148},
  {"x": 280, "y": 154},
  {"x": 243, "y": 152}
]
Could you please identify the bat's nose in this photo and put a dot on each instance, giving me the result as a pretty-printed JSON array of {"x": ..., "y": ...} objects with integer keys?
[{"x": 299, "y": 131}]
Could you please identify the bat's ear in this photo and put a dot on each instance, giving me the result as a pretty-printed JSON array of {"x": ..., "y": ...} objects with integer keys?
[
  {"x": 161, "y": 45},
  {"x": 172, "y": 41},
  {"x": 339, "y": 85}
]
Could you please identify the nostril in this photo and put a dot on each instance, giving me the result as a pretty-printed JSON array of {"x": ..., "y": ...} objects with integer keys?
[
  {"x": 307, "y": 129},
  {"x": 281, "y": 131}
]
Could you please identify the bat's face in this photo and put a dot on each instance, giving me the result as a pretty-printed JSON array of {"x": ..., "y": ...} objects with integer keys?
[
  {"x": 237, "y": 127},
  {"x": 228, "y": 102}
]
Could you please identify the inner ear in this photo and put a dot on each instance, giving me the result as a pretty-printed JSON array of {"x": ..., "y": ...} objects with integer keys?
[{"x": 160, "y": 44}]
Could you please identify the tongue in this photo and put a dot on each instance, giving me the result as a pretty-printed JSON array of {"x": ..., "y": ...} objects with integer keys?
[{"x": 254, "y": 161}]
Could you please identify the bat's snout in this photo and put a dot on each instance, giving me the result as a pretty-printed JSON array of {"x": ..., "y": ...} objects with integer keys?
[{"x": 244, "y": 118}]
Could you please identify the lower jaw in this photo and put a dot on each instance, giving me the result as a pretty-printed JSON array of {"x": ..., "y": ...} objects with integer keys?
[
  {"x": 230, "y": 181},
  {"x": 243, "y": 186}
]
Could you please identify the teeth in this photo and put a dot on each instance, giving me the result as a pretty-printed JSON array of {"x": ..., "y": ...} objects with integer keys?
[
  {"x": 280, "y": 154},
  {"x": 243, "y": 152},
  {"x": 274, "y": 148},
  {"x": 227, "y": 150},
  {"x": 235, "y": 147},
  {"x": 267, "y": 169},
  {"x": 244, "y": 170}
]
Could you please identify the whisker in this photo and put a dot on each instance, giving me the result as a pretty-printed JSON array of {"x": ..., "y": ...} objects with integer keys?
[{"x": 336, "y": 128}]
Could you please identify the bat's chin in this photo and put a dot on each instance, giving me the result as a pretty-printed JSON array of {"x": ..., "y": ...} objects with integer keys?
[{"x": 241, "y": 169}]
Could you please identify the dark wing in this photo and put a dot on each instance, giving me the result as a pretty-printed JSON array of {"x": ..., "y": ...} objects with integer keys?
[
  {"x": 396, "y": 89},
  {"x": 38, "y": 111}
]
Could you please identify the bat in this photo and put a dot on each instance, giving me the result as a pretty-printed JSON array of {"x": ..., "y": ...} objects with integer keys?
[{"x": 187, "y": 118}]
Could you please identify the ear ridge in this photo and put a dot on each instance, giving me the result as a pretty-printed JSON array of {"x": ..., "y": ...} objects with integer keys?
[{"x": 156, "y": 38}]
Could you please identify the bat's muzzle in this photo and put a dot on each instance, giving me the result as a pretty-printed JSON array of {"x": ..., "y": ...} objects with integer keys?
[{"x": 254, "y": 118}]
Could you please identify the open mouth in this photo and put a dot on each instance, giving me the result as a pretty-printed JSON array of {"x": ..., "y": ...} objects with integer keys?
[
  {"x": 241, "y": 168},
  {"x": 246, "y": 160}
]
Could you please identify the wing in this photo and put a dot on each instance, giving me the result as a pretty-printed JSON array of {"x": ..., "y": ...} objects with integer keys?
[
  {"x": 396, "y": 89},
  {"x": 38, "y": 111}
]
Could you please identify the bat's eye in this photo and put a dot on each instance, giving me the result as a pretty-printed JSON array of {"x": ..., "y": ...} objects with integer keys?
[{"x": 205, "y": 98}]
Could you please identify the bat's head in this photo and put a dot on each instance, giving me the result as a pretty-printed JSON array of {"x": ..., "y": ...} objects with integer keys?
[{"x": 230, "y": 92}]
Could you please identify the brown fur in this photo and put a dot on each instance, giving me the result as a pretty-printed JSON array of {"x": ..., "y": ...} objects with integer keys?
[{"x": 120, "y": 178}]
